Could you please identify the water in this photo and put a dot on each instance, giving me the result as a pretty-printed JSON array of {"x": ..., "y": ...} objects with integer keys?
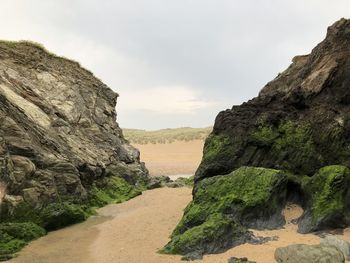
[{"x": 176, "y": 176}]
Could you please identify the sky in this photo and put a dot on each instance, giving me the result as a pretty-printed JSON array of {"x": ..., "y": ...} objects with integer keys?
[{"x": 175, "y": 63}]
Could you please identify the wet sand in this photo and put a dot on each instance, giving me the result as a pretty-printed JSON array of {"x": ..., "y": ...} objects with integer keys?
[
  {"x": 133, "y": 231},
  {"x": 179, "y": 157}
]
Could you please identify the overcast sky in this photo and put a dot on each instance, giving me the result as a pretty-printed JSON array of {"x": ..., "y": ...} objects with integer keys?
[{"x": 175, "y": 63}]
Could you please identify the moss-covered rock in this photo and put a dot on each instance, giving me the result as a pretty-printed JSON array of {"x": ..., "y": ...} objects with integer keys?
[
  {"x": 223, "y": 207},
  {"x": 23, "y": 223},
  {"x": 216, "y": 234},
  {"x": 327, "y": 197},
  {"x": 219, "y": 154},
  {"x": 66, "y": 211},
  {"x": 14, "y": 236},
  {"x": 113, "y": 189},
  {"x": 185, "y": 181},
  {"x": 58, "y": 215},
  {"x": 291, "y": 146},
  {"x": 299, "y": 124},
  {"x": 181, "y": 182}
]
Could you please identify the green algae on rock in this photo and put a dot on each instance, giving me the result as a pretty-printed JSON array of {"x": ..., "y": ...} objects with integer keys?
[
  {"x": 299, "y": 127},
  {"x": 223, "y": 207},
  {"x": 327, "y": 197},
  {"x": 56, "y": 215},
  {"x": 300, "y": 121},
  {"x": 14, "y": 236},
  {"x": 113, "y": 190}
]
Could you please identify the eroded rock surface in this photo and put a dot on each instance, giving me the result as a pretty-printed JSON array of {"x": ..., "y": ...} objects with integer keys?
[
  {"x": 299, "y": 122},
  {"x": 342, "y": 245},
  {"x": 296, "y": 130},
  {"x": 309, "y": 254},
  {"x": 61, "y": 149}
]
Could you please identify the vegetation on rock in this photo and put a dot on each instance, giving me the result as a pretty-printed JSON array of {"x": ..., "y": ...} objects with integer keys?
[
  {"x": 32, "y": 222},
  {"x": 299, "y": 127},
  {"x": 62, "y": 153},
  {"x": 14, "y": 236},
  {"x": 114, "y": 189},
  {"x": 223, "y": 207},
  {"x": 327, "y": 196}
]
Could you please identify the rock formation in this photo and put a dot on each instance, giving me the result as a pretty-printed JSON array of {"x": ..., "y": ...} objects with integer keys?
[
  {"x": 298, "y": 132},
  {"x": 299, "y": 253},
  {"x": 61, "y": 149}
]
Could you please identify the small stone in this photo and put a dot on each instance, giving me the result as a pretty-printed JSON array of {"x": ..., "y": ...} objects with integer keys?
[{"x": 239, "y": 260}]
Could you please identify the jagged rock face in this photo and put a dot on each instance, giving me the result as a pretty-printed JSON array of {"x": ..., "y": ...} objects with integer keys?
[
  {"x": 300, "y": 121},
  {"x": 58, "y": 129},
  {"x": 299, "y": 125}
]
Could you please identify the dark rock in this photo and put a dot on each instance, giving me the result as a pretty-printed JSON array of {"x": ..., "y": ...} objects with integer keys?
[
  {"x": 297, "y": 129},
  {"x": 299, "y": 122},
  {"x": 158, "y": 181},
  {"x": 326, "y": 199},
  {"x": 224, "y": 207}
]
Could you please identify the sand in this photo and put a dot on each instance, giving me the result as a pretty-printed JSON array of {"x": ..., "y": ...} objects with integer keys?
[
  {"x": 133, "y": 231},
  {"x": 177, "y": 158}
]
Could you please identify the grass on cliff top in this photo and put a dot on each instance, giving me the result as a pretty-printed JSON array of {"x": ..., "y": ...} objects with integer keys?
[
  {"x": 166, "y": 135},
  {"x": 41, "y": 47}
]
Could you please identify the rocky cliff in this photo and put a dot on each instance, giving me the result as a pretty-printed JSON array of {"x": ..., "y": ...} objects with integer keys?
[
  {"x": 61, "y": 149},
  {"x": 297, "y": 131}
]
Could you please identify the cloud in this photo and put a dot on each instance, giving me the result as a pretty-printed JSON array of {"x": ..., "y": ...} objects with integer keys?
[
  {"x": 164, "y": 100},
  {"x": 175, "y": 63}
]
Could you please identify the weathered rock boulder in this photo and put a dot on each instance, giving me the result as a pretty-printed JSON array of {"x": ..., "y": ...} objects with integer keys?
[
  {"x": 298, "y": 132},
  {"x": 61, "y": 149},
  {"x": 309, "y": 254},
  {"x": 223, "y": 207},
  {"x": 341, "y": 244},
  {"x": 326, "y": 199}
]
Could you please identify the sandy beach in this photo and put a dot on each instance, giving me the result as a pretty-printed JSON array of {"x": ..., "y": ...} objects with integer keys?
[
  {"x": 133, "y": 231},
  {"x": 179, "y": 157}
]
